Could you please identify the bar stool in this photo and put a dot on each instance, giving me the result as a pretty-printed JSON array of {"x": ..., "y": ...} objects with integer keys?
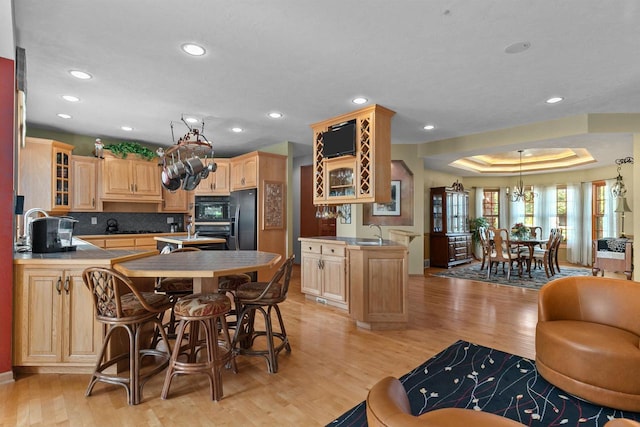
[
  {"x": 229, "y": 285},
  {"x": 263, "y": 297},
  {"x": 208, "y": 311}
]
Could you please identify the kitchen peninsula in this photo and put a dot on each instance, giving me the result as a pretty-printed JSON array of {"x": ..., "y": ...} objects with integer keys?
[
  {"x": 364, "y": 276},
  {"x": 54, "y": 323}
]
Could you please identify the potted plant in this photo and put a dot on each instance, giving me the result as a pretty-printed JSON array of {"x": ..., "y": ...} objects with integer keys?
[
  {"x": 123, "y": 148},
  {"x": 474, "y": 226}
]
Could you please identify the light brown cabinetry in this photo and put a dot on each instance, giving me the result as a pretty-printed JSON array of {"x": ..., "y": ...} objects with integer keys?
[
  {"x": 129, "y": 179},
  {"x": 324, "y": 272},
  {"x": 218, "y": 182},
  {"x": 450, "y": 239},
  {"x": 84, "y": 177},
  {"x": 175, "y": 201},
  {"x": 124, "y": 241},
  {"x": 371, "y": 163},
  {"x": 45, "y": 175},
  {"x": 244, "y": 171},
  {"x": 54, "y": 321}
]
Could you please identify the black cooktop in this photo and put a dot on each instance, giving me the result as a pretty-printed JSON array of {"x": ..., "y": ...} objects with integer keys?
[{"x": 135, "y": 232}]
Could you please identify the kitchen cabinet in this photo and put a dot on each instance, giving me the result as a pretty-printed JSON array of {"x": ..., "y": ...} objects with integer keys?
[
  {"x": 371, "y": 165},
  {"x": 244, "y": 171},
  {"x": 130, "y": 179},
  {"x": 44, "y": 175},
  {"x": 324, "y": 272},
  {"x": 175, "y": 201},
  {"x": 54, "y": 320},
  {"x": 450, "y": 238},
  {"x": 218, "y": 182},
  {"x": 84, "y": 177}
]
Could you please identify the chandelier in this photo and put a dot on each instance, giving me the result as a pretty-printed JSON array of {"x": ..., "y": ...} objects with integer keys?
[
  {"x": 519, "y": 194},
  {"x": 185, "y": 163}
]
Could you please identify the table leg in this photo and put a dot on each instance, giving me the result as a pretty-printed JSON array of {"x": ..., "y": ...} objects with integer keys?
[{"x": 207, "y": 285}]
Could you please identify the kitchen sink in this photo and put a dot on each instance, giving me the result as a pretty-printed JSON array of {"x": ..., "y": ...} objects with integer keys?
[{"x": 367, "y": 243}]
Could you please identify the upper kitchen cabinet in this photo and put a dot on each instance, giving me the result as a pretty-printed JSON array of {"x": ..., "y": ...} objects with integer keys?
[
  {"x": 176, "y": 201},
  {"x": 45, "y": 175},
  {"x": 218, "y": 182},
  {"x": 356, "y": 167},
  {"x": 84, "y": 188},
  {"x": 244, "y": 171},
  {"x": 130, "y": 179}
]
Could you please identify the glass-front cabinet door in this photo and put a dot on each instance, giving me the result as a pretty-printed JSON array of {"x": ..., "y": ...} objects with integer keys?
[
  {"x": 436, "y": 213},
  {"x": 61, "y": 181},
  {"x": 340, "y": 177}
]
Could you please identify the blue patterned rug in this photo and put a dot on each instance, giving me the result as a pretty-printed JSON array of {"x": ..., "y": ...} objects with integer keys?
[
  {"x": 467, "y": 375},
  {"x": 537, "y": 279}
]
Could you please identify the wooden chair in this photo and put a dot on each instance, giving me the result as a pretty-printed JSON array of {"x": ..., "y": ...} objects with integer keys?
[
  {"x": 119, "y": 304},
  {"x": 535, "y": 232},
  {"x": 263, "y": 297},
  {"x": 486, "y": 246},
  {"x": 501, "y": 253},
  {"x": 556, "y": 248},
  {"x": 542, "y": 256}
]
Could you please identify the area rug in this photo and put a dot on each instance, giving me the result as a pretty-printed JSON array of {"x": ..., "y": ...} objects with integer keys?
[
  {"x": 537, "y": 279},
  {"x": 471, "y": 376}
]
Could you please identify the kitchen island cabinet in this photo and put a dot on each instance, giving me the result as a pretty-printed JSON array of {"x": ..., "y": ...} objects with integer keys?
[
  {"x": 54, "y": 322},
  {"x": 359, "y": 275}
]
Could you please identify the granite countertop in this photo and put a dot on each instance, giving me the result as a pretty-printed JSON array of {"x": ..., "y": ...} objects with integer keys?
[
  {"x": 84, "y": 252},
  {"x": 363, "y": 242}
]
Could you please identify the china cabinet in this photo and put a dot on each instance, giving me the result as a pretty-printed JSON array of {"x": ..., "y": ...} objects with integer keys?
[
  {"x": 450, "y": 239},
  {"x": 45, "y": 175},
  {"x": 370, "y": 179}
]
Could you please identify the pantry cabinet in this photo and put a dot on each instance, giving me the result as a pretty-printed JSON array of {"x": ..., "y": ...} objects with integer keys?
[{"x": 45, "y": 175}]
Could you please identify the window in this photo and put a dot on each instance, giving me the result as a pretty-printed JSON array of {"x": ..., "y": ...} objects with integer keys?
[
  {"x": 561, "y": 211},
  {"x": 597, "y": 220},
  {"x": 528, "y": 206},
  {"x": 491, "y": 207}
]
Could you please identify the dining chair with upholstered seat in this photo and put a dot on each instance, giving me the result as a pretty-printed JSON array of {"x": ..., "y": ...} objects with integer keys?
[
  {"x": 535, "y": 232},
  {"x": 501, "y": 252},
  {"x": 485, "y": 244},
  {"x": 263, "y": 297},
  {"x": 120, "y": 305},
  {"x": 542, "y": 256}
]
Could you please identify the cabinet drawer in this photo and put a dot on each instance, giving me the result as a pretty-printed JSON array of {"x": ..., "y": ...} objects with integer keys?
[
  {"x": 146, "y": 242},
  {"x": 328, "y": 249},
  {"x": 120, "y": 243},
  {"x": 311, "y": 247}
]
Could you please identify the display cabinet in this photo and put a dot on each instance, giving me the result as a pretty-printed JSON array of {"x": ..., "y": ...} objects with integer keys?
[
  {"x": 450, "y": 239},
  {"x": 340, "y": 177}
]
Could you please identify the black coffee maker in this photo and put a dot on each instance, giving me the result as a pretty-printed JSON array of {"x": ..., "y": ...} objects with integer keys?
[{"x": 52, "y": 234}]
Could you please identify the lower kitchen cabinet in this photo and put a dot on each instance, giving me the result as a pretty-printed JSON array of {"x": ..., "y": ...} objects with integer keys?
[
  {"x": 324, "y": 273},
  {"x": 54, "y": 321}
]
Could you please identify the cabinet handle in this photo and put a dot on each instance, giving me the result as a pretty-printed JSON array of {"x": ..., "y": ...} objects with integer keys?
[
  {"x": 213, "y": 186},
  {"x": 131, "y": 188},
  {"x": 319, "y": 264},
  {"x": 242, "y": 181},
  {"x": 59, "y": 284},
  {"x": 135, "y": 186},
  {"x": 93, "y": 203},
  {"x": 66, "y": 284}
]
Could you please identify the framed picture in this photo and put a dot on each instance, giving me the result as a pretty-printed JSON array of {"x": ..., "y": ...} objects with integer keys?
[
  {"x": 274, "y": 200},
  {"x": 393, "y": 207}
]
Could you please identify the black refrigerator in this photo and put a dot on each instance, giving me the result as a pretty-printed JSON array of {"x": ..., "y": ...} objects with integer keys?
[{"x": 244, "y": 220}]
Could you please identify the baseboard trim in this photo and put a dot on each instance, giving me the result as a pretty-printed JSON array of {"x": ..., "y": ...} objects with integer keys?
[{"x": 6, "y": 377}]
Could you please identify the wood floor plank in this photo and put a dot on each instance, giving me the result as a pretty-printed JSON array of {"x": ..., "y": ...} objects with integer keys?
[{"x": 330, "y": 369}]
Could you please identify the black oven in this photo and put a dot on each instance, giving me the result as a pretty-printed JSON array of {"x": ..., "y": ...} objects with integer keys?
[{"x": 212, "y": 209}]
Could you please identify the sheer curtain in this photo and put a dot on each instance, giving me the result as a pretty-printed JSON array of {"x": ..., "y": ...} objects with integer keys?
[
  {"x": 575, "y": 219},
  {"x": 587, "y": 200},
  {"x": 503, "y": 218},
  {"x": 516, "y": 213},
  {"x": 478, "y": 203},
  {"x": 544, "y": 209},
  {"x": 610, "y": 228}
]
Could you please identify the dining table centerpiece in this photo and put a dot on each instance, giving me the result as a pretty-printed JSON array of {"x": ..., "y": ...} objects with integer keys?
[{"x": 520, "y": 231}]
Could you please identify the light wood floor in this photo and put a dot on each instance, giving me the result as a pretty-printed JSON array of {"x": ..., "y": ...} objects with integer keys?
[{"x": 331, "y": 367}]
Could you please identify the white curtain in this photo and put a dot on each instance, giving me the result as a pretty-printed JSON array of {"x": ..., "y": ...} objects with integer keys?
[
  {"x": 503, "y": 218},
  {"x": 516, "y": 213},
  {"x": 610, "y": 228},
  {"x": 544, "y": 209},
  {"x": 479, "y": 199},
  {"x": 587, "y": 200},
  {"x": 575, "y": 218}
]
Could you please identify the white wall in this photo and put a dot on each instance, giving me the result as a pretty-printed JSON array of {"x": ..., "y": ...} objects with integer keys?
[{"x": 7, "y": 39}]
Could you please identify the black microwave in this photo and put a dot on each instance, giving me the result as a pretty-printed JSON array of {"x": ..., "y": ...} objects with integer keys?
[{"x": 212, "y": 208}]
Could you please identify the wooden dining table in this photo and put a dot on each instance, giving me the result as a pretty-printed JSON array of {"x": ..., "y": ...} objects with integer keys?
[
  {"x": 529, "y": 243},
  {"x": 205, "y": 267}
]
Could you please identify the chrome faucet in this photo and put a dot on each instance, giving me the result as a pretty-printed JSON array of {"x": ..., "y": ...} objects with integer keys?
[
  {"x": 27, "y": 223},
  {"x": 379, "y": 235}
]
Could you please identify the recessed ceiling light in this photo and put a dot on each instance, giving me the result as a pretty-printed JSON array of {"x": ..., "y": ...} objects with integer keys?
[
  {"x": 126, "y": 128},
  {"x": 275, "y": 115},
  {"x": 554, "y": 100},
  {"x": 429, "y": 127},
  {"x": 517, "y": 47},
  {"x": 80, "y": 74},
  {"x": 70, "y": 98},
  {"x": 193, "y": 49},
  {"x": 64, "y": 116},
  {"x": 236, "y": 130},
  {"x": 359, "y": 100},
  {"x": 191, "y": 120}
]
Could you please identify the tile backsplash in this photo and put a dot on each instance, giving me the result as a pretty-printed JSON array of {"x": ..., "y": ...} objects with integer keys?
[{"x": 156, "y": 222}]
